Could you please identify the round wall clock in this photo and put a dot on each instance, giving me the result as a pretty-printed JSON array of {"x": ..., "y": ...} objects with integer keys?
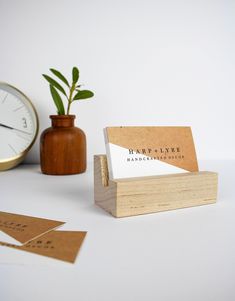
[{"x": 18, "y": 126}]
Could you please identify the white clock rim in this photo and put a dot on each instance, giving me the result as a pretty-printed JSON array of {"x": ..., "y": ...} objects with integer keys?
[{"x": 22, "y": 154}]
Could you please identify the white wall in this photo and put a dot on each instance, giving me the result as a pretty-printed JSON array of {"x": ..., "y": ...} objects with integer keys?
[{"x": 148, "y": 62}]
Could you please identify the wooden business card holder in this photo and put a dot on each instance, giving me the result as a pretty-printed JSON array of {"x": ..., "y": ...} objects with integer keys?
[{"x": 134, "y": 196}]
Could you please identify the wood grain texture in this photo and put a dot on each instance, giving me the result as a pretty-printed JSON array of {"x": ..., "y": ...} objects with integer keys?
[
  {"x": 134, "y": 196},
  {"x": 63, "y": 147},
  {"x": 105, "y": 191}
]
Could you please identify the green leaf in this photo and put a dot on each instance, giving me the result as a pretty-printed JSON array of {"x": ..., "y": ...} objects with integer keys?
[
  {"x": 75, "y": 74},
  {"x": 83, "y": 94},
  {"x": 57, "y": 100},
  {"x": 54, "y": 83},
  {"x": 60, "y": 76}
]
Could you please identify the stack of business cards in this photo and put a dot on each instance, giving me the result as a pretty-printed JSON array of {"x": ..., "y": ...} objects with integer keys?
[
  {"x": 38, "y": 236},
  {"x": 149, "y": 151}
]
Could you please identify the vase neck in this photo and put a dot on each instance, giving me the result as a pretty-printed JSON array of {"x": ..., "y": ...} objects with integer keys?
[{"x": 63, "y": 121}]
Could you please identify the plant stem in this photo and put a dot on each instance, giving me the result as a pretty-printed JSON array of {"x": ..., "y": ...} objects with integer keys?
[{"x": 70, "y": 99}]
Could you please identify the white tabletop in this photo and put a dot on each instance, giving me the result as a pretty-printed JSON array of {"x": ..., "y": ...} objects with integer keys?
[{"x": 186, "y": 254}]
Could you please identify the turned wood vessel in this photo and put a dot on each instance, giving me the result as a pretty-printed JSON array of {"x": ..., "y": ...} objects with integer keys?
[{"x": 63, "y": 147}]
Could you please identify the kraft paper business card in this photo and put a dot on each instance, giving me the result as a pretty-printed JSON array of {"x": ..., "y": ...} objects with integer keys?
[
  {"x": 19, "y": 229},
  {"x": 62, "y": 245},
  {"x": 148, "y": 151}
]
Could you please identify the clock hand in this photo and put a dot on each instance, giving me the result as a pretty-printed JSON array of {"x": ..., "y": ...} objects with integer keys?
[
  {"x": 11, "y": 128},
  {"x": 6, "y": 126}
]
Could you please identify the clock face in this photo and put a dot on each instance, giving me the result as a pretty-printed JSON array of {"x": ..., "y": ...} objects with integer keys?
[{"x": 18, "y": 123}]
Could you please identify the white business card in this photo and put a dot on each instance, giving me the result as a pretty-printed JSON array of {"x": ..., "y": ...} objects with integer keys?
[{"x": 147, "y": 151}]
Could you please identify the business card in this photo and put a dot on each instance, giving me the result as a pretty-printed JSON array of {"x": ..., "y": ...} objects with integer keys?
[
  {"x": 62, "y": 245},
  {"x": 19, "y": 229},
  {"x": 148, "y": 151}
]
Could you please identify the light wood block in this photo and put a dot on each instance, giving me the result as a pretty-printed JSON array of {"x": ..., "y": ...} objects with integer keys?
[{"x": 134, "y": 196}]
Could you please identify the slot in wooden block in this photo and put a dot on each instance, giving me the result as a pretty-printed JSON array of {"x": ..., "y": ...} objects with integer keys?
[{"x": 134, "y": 196}]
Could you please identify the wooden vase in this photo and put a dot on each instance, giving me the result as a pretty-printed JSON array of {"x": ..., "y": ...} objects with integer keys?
[{"x": 63, "y": 147}]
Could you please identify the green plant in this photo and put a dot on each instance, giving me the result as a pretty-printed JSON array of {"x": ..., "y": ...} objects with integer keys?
[{"x": 74, "y": 92}]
